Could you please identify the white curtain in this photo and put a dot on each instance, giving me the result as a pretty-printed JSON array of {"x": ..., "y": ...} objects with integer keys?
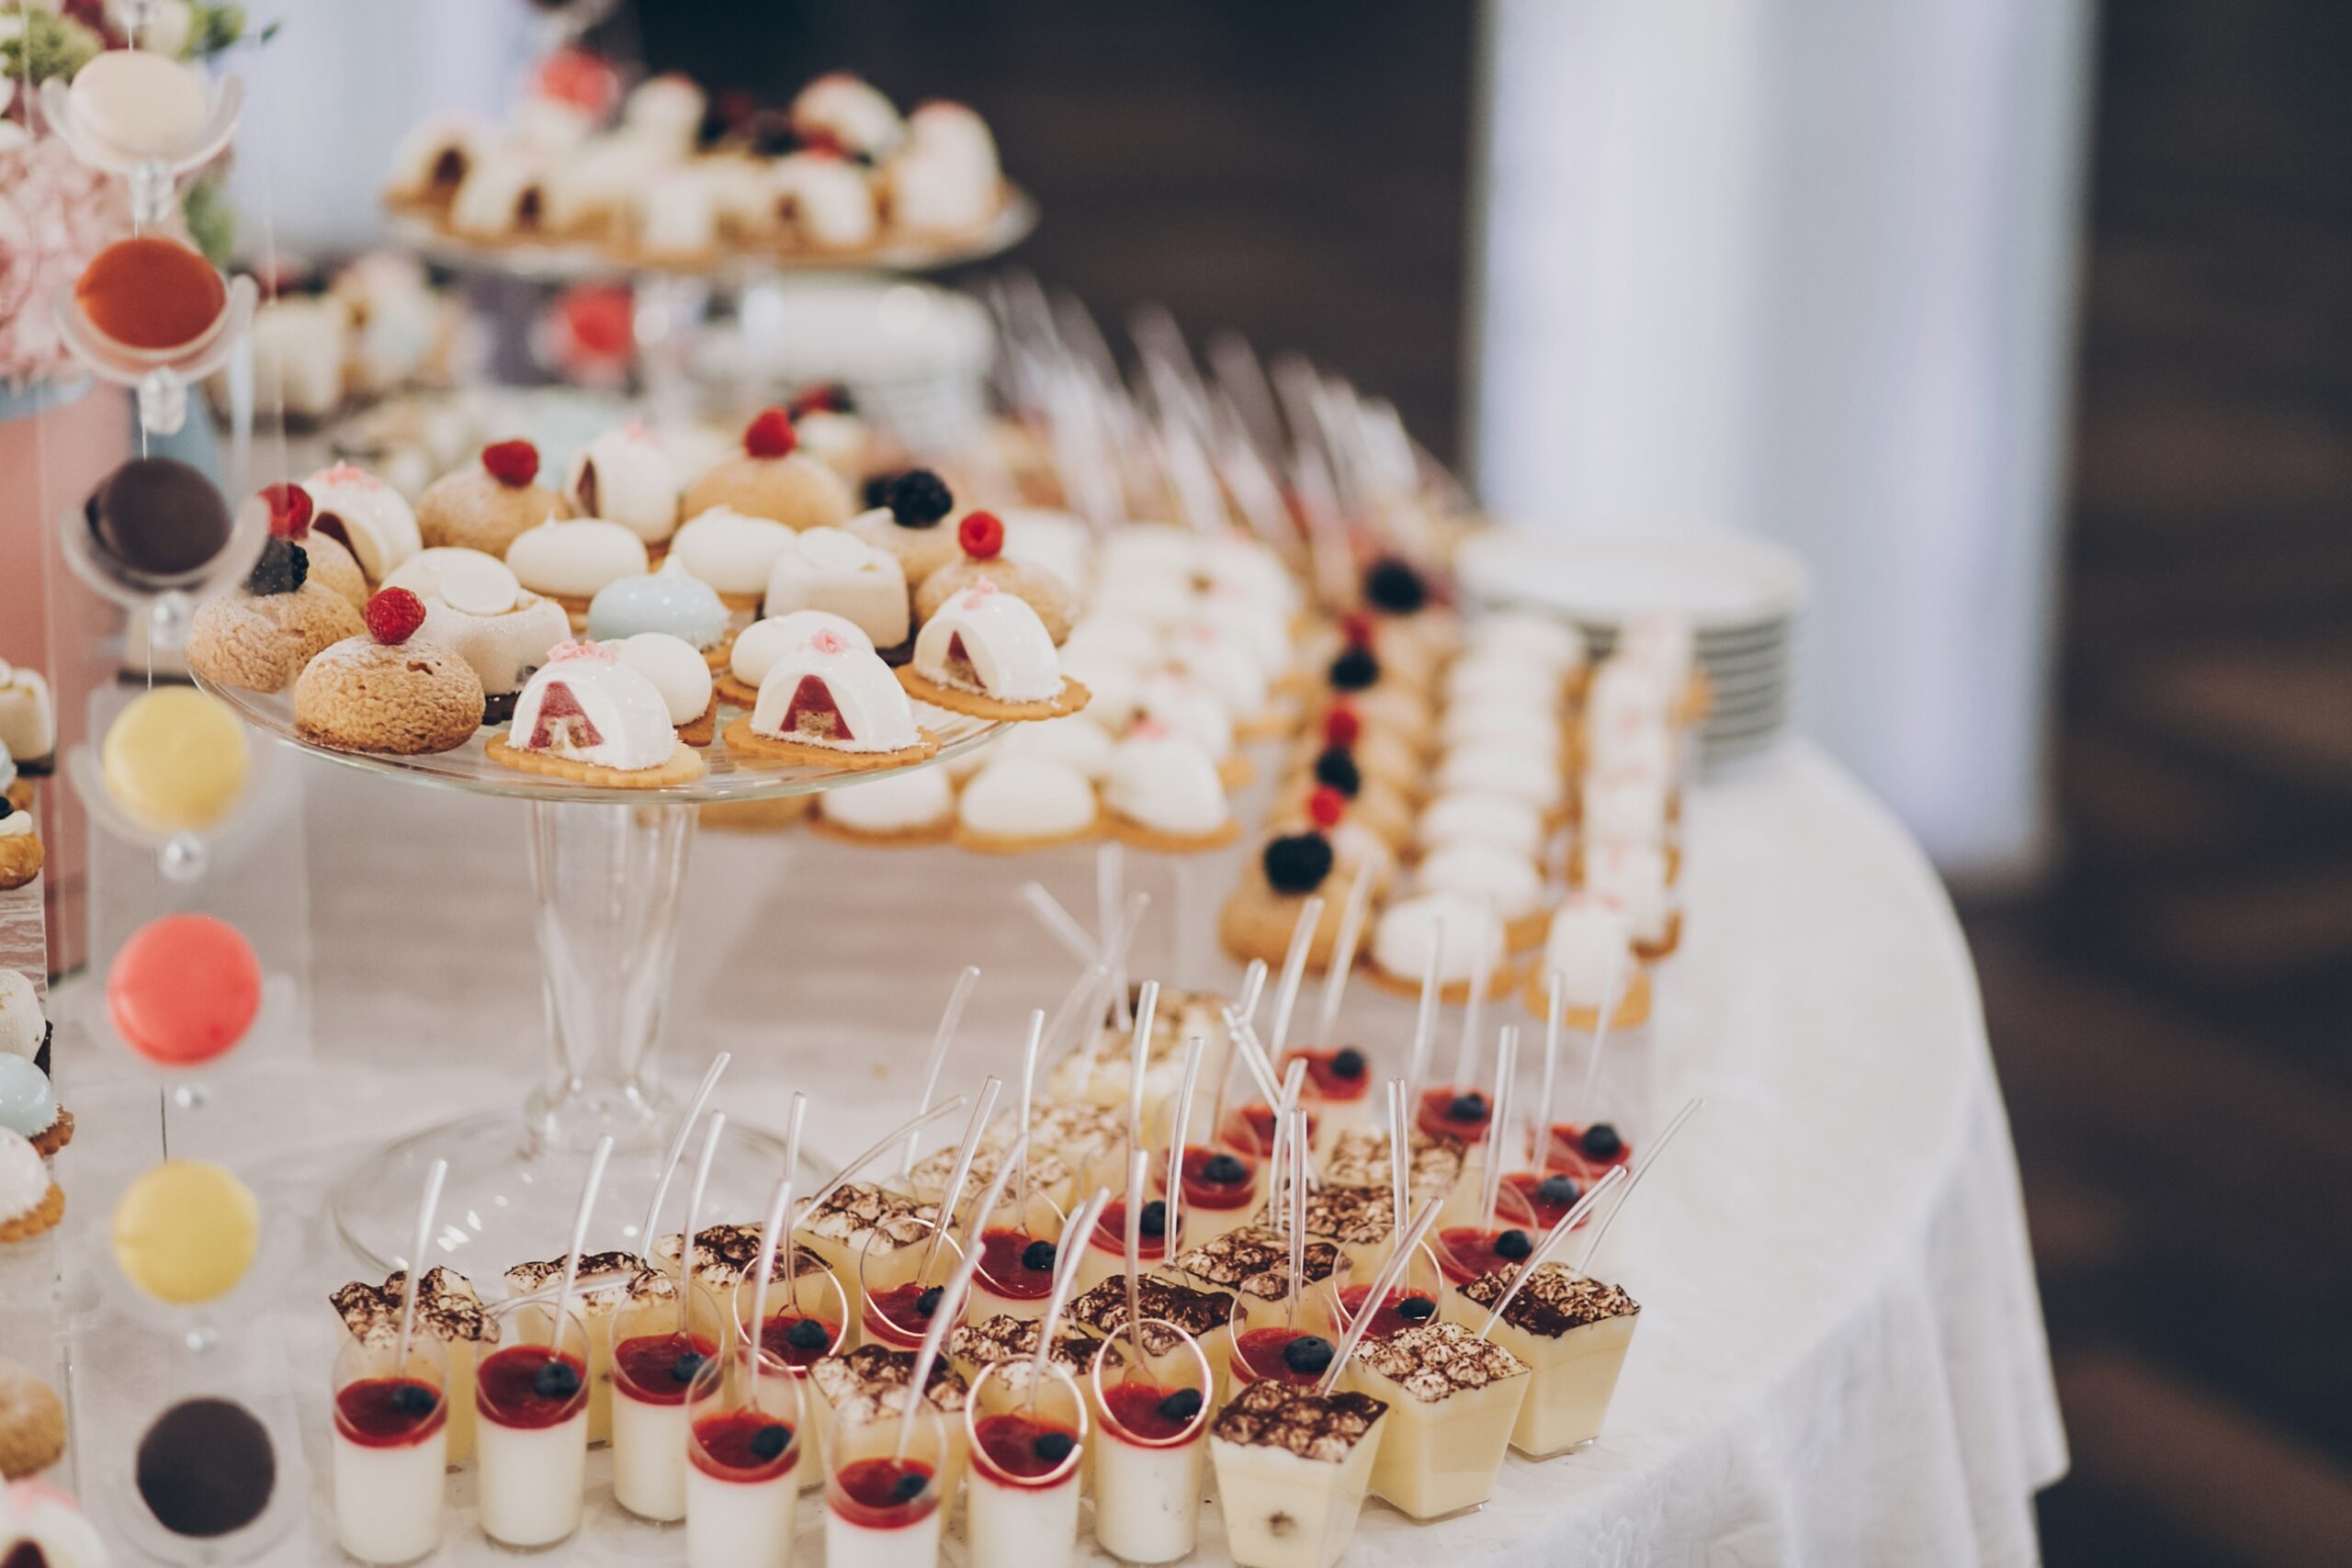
[{"x": 1806, "y": 267}]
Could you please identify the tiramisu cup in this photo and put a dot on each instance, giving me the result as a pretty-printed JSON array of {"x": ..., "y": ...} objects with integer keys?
[
  {"x": 1573, "y": 1331},
  {"x": 1204, "y": 1314},
  {"x": 728, "y": 1255},
  {"x": 1049, "y": 1176},
  {"x": 1150, "y": 1443},
  {"x": 1106, "y": 1245},
  {"x": 1292, "y": 1470},
  {"x": 866, "y": 1385},
  {"x": 658, "y": 1351},
  {"x": 447, "y": 1311},
  {"x": 392, "y": 1444},
  {"x": 1469, "y": 1244},
  {"x": 1283, "y": 1350},
  {"x": 1452, "y": 1398},
  {"x": 1252, "y": 1262},
  {"x": 1028, "y": 1441},
  {"x": 858, "y": 1217},
  {"x": 805, "y": 1323},
  {"x": 1359, "y": 1221},
  {"x": 976, "y": 1346},
  {"x": 608, "y": 1281},
  {"x": 900, "y": 1288},
  {"x": 1359, "y": 1157},
  {"x": 531, "y": 1438},
  {"x": 885, "y": 1508},
  {"x": 743, "y": 1458}
]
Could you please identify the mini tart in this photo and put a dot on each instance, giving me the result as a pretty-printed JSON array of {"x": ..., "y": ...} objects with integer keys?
[
  {"x": 1041, "y": 590},
  {"x": 472, "y": 508},
  {"x": 1257, "y": 921},
  {"x": 21, "y": 858},
  {"x": 19, "y": 793},
  {"x": 1453, "y": 993},
  {"x": 33, "y": 1430},
  {"x": 926, "y": 787},
  {"x": 34, "y": 1201},
  {"x": 1072, "y": 698},
  {"x": 55, "y": 1136},
  {"x": 1632, "y": 1004},
  {"x": 260, "y": 642},
  {"x": 744, "y": 741},
  {"x": 403, "y": 699},
  {"x": 1134, "y": 835},
  {"x": 684, "y": 766},
  {"x": 793, "y": 490},
  {"x": 1007, "y": 796}
]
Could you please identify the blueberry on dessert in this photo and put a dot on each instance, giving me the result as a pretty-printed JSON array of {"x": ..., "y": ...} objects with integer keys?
[
  {"x": 1393, "y": 587},
  {"x": 907, "y": 523},
  {"x": 332, "y": 566}
]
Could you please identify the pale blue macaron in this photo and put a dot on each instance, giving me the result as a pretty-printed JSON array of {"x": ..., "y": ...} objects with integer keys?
[
  {"x": 28, "y": 1103},
  {"x": 670, "y": 602}
]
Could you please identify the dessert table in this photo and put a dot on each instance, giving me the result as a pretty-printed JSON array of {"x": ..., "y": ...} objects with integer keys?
[{"x": 1840, "y": 1357}]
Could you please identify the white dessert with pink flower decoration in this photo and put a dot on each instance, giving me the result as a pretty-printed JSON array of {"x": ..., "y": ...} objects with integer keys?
[
  {"x": 587, "y": 705},
  {"x": 1163, "y": 791},
  {"x": 836, "y": 694},
  {"x": 991, "y": 644}
]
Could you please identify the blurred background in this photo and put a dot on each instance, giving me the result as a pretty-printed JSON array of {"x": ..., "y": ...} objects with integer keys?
[{"x": 2021, "y": 320}]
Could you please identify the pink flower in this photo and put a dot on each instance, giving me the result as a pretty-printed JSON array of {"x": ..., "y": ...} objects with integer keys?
[
  {"x": 827, "y": 640},
  {"x": 596, "y": 651},
  {"x": 55, "y": 214}
]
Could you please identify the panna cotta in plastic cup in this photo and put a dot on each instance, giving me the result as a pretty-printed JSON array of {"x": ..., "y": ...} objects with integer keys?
[
  {"x": 1150, "y": 1443},
  {"x": 1572, "y": 1332},
  {"x": 858, "y": 1220},
  {"x": 1337, "y": 1087},
  {"x": 391, "y": 1444},
  {"x": 1027, "y": 1436},
  {"x": 531, "y": 1435},
  {"x": 1293, "y": 1351},
  {"x": 865, "y": 1384},
  {"x": 1222, "y": 1189},
  {"x": 725, "y": 1256},
  {"x": 884, "y": 1508},
  {"x": 447, "y": 1310},
  {"x": 1204, "y": 1314},
  {"x": 1106, "y": 1245},
  {"x": 607, "y": 1282},
  {"x": 1468, "y": 1243},
  {"x": 1292, "y": 1470},
  {"x": 1452, "y": 1399},
  {"x": 1253, "y": 1263},
  {"x": 899, "y": 1291},
  {"x": 1016, "y": 1274},
  {"x": 743, "y": 1458},
  {"x": 1413, "y": 1300},
  {"x": 807, "y": 1320},
  {"x": 658, "y": 1348}
]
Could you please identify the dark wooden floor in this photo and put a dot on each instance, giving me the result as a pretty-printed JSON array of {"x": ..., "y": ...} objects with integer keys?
[{"x": 2171, "y": 1011}]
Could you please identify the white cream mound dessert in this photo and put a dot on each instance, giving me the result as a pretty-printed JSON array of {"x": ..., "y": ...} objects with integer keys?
[
  {"x": 1452, "y": 1398},
  {"x": 1291, "y": 1469},
  {"x": 1574, "y": 1332}
]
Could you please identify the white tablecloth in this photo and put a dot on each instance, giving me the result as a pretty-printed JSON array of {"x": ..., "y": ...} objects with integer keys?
[{"x": 1840, "y": 1357}]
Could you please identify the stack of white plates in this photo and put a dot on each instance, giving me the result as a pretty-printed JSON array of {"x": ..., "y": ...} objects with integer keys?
[{"x": 1743, "y": 596}]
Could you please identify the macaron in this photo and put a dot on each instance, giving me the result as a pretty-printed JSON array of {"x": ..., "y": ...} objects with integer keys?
[
  {"x": 184, "y": 989},
  {"x": 175, "y": 759},
  {"x": 187, "y": 1232}
]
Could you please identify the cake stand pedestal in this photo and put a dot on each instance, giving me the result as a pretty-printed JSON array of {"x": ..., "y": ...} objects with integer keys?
[{"x": 607, "y": 871}]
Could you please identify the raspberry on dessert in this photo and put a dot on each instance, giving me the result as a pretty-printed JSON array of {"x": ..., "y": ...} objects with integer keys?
[
  {"x": 289, "y": 509},
  {"x": 770, "y": 435},
  {"x": 393, "y": 615},
  {"x": 1326, "y": 806},
  {"x": 1298, "y": 863},
  {"x": 1340, "y": 726},
  {"x": 981, "y": 534},
  {"x": 1356, "y": 628},
  {"x": 919, "y": 499},
  {"x": 511, "y": 463}
]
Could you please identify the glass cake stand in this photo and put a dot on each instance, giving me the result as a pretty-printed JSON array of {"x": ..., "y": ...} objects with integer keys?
[{"x": 606, "y": 870}]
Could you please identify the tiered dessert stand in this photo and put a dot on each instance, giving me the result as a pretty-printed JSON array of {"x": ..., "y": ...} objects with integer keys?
[{"x": 608, "y": 867}]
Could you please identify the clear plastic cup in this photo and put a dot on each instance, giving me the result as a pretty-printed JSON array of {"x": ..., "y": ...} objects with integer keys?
[
  {"x": 1027, "y": 1438},
  {"x": 391, "y": 1446},
  {"x": 658, "y": 1348},
  {"x": 531, "y": 1432},
  {"x": 1150, "y": 1448},
  {"x": 744, "y": 1458},
  {"x": 885, "y": 1507}
]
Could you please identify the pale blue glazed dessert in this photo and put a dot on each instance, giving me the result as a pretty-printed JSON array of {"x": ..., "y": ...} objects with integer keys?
[
  {"x": 28, "y": 1103},
  {"x": 665, "y": 600}
]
